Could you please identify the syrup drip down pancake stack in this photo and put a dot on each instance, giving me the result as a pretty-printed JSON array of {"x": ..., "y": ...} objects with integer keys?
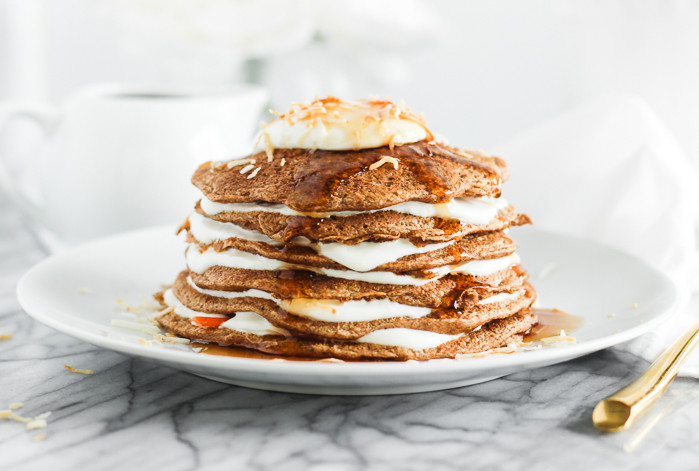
[{"x": 351, "y": 233}]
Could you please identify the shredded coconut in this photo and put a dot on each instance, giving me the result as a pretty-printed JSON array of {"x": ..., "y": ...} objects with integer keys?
[
  {"x": 171, "y": 339},
  {"x": 383, "y": 160},
  {"x": 145, "y": 321},
  {"x": 19, "y": 418},
  {"x": 36, "y": 424},
  {"x": 237, "y": 162},
  {"x": 331, "y": 107},
  {"x": 562, "y": 337},
  {"x": 269, "y": 148},
  {"x": 517, "y": 345},
  {"x": 254, "y": 172},
  {"x": 31, "y": 423},
  {"x": 147, "y": 328},
  {"x": 246, "y": 169}
]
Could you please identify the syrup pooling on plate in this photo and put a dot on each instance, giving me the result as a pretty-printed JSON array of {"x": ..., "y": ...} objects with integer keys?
[{"x": 551, "y": 323}]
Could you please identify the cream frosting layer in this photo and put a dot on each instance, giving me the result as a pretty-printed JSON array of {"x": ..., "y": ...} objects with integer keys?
[
  {"x": 331, "y": 310},
  {"x": 407, "y": 338},
  {"x": 199, "y": 262},
  {"x": 334, "y": 124},
  {"x": 479, "y": 267},
  {"x": 364, "y": 256},
  {"x": 467, "y": 210},
  {"x": 328, "y": 310},
  {"x": 252, "y": 293},
  {"x": 502, "y": 297}
]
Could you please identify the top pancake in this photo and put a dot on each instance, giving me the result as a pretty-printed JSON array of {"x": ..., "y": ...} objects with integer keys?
[{"x": 319, "y": 180}]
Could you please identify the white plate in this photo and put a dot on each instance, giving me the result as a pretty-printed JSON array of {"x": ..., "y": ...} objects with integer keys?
[{"x": 585, "y": 279}]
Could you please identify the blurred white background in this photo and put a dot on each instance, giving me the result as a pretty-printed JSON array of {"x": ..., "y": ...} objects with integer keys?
[{"x": 480, "y": 71}]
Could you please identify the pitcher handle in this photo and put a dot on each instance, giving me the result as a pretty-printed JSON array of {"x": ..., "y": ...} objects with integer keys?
[{"x": 47, "y": 118}]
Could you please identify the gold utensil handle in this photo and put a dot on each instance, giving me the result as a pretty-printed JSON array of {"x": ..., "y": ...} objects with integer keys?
[{"x": 621, "y": 409}]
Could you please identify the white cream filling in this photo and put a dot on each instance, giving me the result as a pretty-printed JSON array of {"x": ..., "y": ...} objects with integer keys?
[
  {"x": 349, "y": 131},
  {"x": 207, "y": 231},
  {"x": 328, "y": 310},
  {"x": 366, "y": 256},
  {"x": 485, "y": 267},
  {"x": 467, "y": 210},
  {"x": 362, "y": 257},
  {"x": 331, "y": 310},
  {"x": 199, "y": 262},
  {"x": 407, "y": 338},
  {"x": 244, "y": 321},
  {"x": 253, "y": 293},
  {"x": 251, "y": 322},
  {"x": 501, "y": 297},
  {"x": 182, "y": 310}
]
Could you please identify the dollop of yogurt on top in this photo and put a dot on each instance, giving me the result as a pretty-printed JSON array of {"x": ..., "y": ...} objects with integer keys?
[{"x": 334, "y": 124}]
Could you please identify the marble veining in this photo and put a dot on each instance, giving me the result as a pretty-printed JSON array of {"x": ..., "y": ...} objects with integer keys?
[{"x": 135, "y": 414}]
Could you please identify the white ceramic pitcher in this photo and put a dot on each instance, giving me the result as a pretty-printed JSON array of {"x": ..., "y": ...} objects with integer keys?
[{"x": 120, "y": 157}]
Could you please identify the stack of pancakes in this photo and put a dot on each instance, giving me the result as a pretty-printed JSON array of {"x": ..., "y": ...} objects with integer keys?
[{"x": 397, "y": 252}]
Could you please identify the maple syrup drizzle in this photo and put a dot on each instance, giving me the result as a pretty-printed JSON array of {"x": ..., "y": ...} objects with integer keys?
[
  {"x": 324, "y": 172},
  {"x": 240, "y": 352},
  {"x": 295, "y": 284},
  {"x": 550, "y": 323}
]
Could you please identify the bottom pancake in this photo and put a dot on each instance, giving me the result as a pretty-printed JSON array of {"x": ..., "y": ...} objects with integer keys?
[
  {"x": 444, "y": 321},
  {"x": 491, "y": 335}
]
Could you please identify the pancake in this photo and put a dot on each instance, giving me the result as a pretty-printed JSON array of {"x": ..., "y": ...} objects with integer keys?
[
  {"x": 320, "y": 180},
  {"x": 456, "y": 291},
  {"x": 472, "y": 247},
  {"x": 379, "y": 226},
  {"x": 445, "y": 321},
  {"x": 491, "y": 335}
]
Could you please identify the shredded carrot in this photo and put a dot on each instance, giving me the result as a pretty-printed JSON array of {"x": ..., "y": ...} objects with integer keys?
[{"x": 202, "y": 321}]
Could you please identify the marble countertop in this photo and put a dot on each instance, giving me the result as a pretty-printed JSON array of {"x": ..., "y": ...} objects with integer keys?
[{"x": 132, "y": 413}]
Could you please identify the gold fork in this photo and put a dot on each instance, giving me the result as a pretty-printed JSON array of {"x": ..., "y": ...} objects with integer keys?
[{"x": 621, "y": 409}]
